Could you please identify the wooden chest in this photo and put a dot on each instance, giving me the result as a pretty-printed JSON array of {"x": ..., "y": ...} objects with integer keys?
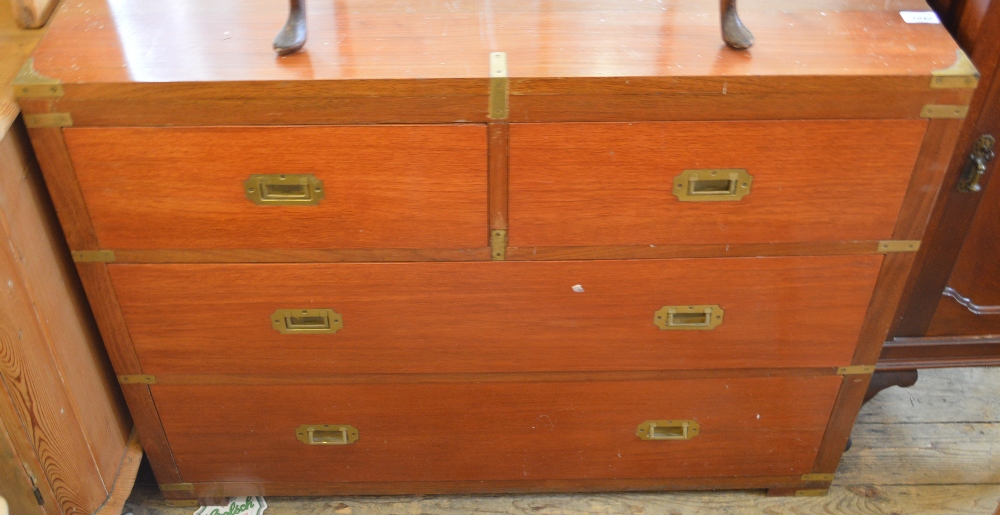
[{"x": 493, "y": 247}]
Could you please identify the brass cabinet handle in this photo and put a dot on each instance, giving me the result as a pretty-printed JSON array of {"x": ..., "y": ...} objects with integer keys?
[
  {"x": 689, "y": 318},
  {"x": 668, "y": 430},
  {"x": 307, "y": 321},
  {"x": 284, "y": 189},
  {"x": 327, "y": 434},
  {"x": 712, "y": 185}
]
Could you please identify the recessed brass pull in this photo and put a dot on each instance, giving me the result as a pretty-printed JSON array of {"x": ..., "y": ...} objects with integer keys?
[
  {"x": 719, "y": 184},
  {"x": 668, "y": 430},
  {"x": 688, "y": 318},
  {"x": 307, "y": 321},
  {"x": 327, "y": 434},
  {"x": 284, "y": 189}
]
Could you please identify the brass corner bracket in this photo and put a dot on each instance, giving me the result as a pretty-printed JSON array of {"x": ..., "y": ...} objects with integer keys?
[
  {"x": 30, "y": 83},
  {"x": 962, "y": 74}
]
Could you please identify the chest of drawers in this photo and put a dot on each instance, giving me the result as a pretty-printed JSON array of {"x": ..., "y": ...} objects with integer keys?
[{"x": 465, "y": 247}]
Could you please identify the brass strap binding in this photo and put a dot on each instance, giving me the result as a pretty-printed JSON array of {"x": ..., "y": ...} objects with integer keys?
[
  {"x": 498, "y": 245},
  {"x": 499, "y": 88}
]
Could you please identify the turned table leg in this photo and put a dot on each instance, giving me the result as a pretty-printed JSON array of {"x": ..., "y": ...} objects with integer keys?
[
  {"x": 293, "y": 35},
  {"x": 734, "y": 33}
]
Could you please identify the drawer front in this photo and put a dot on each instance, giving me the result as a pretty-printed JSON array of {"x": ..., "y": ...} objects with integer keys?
[
  {"x": 495, "y": 316},
  {"x": 580, "y": 184},
  {"x": 382, "y": 187},
  {"x": 495, "y": 431}
]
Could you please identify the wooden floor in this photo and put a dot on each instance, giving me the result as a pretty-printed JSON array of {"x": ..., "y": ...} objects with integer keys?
[{"x": 931, "y": 449}]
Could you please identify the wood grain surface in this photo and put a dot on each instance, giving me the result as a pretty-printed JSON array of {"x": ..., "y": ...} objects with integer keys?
[
  {"x": 925, "y": 427},
  {"x": 385, "y": 187},
  {"x": 33, "y": 381},
  {"x": 15, "y": 484},
  {"x": 124, "y": 479},
  {"x": 369, "y": 39},
  {"x": 611, "y": 184},
  {"x": 523, "y": 431},
  {"x": 664, "y": 62},
  {"x": 496, "y": 317},
  {"x": 59, "y": 302}
]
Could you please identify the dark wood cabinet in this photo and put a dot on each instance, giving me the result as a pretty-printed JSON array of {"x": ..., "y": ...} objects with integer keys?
[{"x": 951, "y": 312}]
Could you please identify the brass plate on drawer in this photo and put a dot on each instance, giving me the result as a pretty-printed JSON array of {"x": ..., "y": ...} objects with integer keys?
[
  {"x": 327, "y": 434},
  {"x": 712, "y": 185},
  {"x": 689, "y": 318},
  {"x": 284, "y": 189},
  {"x": 307, "y": 321},
  {"x": 668, "y": 430}
]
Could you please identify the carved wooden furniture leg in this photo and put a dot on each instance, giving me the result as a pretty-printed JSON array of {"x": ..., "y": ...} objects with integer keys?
[
  {"x": 884, "y": 379},
  {"x": 734, "y": 33},
  {"x": 293, "y": 35}
]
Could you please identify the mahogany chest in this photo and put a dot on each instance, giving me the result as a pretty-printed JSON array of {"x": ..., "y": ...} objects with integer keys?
[{"x": 493, "y": 247}]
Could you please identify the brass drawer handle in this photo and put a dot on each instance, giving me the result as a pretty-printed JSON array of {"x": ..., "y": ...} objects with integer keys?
[
  {"x": 284, "y": 189},
  {"x": 711, "y": 185},
  {"x": 689, "y": 318},
  {"x": 668, "y": 430},
  {"x": 307, "y": 321},
  {"x": 327, "y": 434}
]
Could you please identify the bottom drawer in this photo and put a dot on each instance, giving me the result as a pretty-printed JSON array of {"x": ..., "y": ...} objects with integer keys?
[{"x": 561, "y": 430}]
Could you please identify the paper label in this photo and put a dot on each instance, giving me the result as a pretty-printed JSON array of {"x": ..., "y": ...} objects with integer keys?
[
  {"x": 920, "y": 17},
  {"x": 237, "y": 506}
]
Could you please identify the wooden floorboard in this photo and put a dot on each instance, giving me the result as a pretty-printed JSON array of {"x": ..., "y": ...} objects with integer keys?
[{"x": 931, "y": 449}]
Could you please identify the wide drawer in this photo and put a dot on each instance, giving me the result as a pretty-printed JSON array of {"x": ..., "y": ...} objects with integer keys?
[
  {"x": 494, "y": 431},
  {"x": 187, "y": 188},
  {"x": 494, "y": 316},
  {"x": 582, "y": 184}
]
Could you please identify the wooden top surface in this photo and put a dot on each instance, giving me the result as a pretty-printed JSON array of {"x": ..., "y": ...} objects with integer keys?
[{"x": 109, "y": 41}]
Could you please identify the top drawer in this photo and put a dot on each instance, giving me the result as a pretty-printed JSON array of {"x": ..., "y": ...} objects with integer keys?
[
  {"x": 382, "y": 187},
  {"x": 579, "y": 184}
]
